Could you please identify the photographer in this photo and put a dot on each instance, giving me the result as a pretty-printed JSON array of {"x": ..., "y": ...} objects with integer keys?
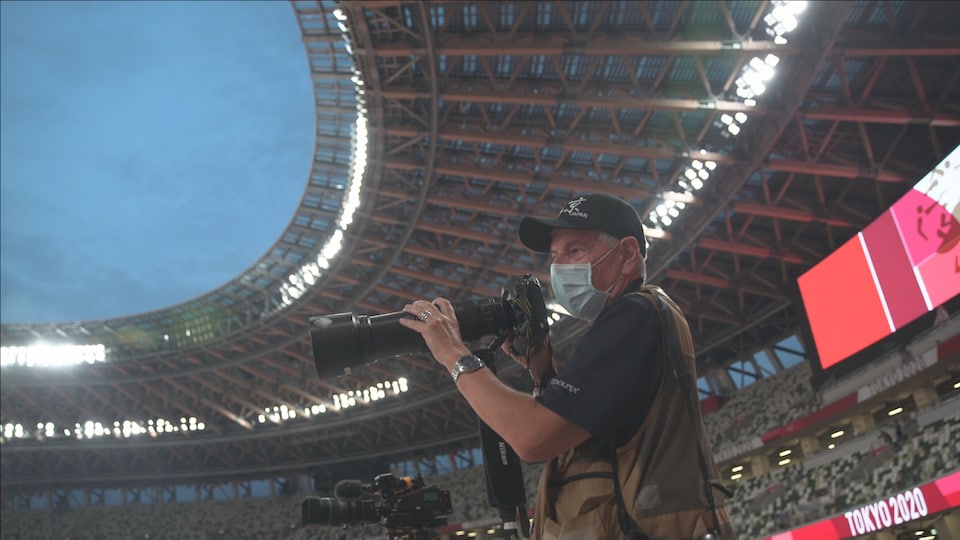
[{"x": 620, "y": 420}]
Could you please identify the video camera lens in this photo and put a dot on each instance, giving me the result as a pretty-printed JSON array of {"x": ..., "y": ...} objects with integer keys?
[{"x": 327, "y": 511}]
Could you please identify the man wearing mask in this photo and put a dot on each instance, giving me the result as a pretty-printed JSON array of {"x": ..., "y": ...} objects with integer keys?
[{"x": 620, "y": 420}]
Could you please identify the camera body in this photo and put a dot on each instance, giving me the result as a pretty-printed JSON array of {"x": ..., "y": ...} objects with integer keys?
[
  {"x": 345, "y": 340},
  {"x": 401, "y": 504}
]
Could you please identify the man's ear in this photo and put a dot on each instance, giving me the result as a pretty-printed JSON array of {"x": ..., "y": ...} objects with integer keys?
[{"x": 631, "y": 254}]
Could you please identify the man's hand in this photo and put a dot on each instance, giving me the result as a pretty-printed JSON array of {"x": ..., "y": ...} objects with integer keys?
[
  {"x": 538, "y": 365},
  {"x": 437, "y": 323}
]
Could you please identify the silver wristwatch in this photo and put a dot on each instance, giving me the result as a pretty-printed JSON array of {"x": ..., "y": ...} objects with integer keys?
[{"x": 465, "y": 364}]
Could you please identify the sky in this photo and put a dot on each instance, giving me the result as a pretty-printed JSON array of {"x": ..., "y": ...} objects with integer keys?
[{"x": 149, "y": 151}]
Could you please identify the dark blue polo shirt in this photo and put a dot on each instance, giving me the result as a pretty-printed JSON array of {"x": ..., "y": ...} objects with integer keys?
[{"x": 609, "y": 383}]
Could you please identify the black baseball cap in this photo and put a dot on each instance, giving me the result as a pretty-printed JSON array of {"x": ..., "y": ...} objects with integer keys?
[{"x": 595, "y": 211}]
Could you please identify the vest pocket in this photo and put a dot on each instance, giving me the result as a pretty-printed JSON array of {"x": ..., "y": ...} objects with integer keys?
[
  {"x": 585, "y": 509},
  {"x": 600, "y": 523}
]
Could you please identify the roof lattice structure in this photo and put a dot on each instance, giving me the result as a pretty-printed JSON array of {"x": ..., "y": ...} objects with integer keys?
[{"x": 479, "y": 113}]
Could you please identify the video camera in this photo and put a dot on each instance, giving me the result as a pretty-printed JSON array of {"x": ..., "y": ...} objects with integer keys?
[
  {"x": 346, "y": 340},
  {"x": 403, "y": 505}
]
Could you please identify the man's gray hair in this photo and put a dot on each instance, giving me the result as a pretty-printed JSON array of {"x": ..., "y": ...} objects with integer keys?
[{"x": 610, "y": 241}]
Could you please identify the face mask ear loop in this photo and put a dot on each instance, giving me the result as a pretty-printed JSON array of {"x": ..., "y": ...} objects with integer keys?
[{"x": 610, "y": 288}]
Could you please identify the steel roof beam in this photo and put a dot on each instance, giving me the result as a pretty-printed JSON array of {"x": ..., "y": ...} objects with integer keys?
[
  {"x": 444, "y": 256},
  {"x": 900, "y": 47},
  {"x": 832, "y": 169},
  {"x": 777, "y": 212},
  {"x": 760, "y": 252},
  {"x": 876, "y": 116},
  {"x": 445, "y": 167},
  {"x": 698, "y": 278},
  {"x": 565, "y": 143},
  {"x": 600, "y": 44},
  {"x": 547, "y": 100}
]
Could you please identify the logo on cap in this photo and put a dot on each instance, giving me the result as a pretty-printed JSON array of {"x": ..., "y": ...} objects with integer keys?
[{"x": 573, "y": 209}]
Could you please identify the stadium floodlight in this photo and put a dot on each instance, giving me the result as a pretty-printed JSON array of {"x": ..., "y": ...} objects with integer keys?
[
  {"x": 44, "y": 355},
  {"x": 308, "y": 275},
  {"x": 13, "y": 431}
]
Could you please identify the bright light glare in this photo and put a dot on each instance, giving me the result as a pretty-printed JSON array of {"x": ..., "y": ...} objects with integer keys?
[
  {"x": 52, "y": 355},
  {"x": 308, "y": 274}
]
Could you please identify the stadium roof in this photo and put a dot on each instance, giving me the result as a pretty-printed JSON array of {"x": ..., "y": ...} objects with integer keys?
[{"x": 470, "y": 115}]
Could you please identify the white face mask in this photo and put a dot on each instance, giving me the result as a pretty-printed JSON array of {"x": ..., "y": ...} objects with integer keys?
[{"x": 573, "y": 288}]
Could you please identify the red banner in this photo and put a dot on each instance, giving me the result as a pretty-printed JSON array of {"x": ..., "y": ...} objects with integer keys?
[{"x": 896, "y": 509}]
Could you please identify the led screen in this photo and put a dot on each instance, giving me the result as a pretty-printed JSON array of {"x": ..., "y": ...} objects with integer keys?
[{"x": 902, "y": 265}]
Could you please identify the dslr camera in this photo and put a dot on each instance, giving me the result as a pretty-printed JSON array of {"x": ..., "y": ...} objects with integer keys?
[{"x": 345, "y": 340}]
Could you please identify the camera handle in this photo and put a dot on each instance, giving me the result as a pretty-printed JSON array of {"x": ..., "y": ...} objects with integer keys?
[{"x": 504, "y": 477}]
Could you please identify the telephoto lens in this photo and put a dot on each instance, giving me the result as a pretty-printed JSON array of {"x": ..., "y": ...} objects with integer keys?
[{"x": 346, "y": 340}]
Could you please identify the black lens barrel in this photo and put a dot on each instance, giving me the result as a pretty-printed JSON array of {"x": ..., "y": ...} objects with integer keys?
[
  {"x": 346, "y": 340},
  {"x": 327, "y": 511}
]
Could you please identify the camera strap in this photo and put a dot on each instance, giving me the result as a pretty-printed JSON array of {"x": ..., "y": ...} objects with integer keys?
[{"x": 503, "y": 474}]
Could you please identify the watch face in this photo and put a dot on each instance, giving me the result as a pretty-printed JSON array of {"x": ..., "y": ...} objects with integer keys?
[{"x": 466, "y": 364}]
